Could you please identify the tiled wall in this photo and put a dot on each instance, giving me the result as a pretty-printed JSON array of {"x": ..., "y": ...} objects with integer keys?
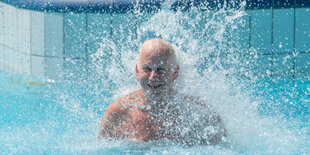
[
  {"x": 283, "y": 38},
  {"x": 46, "y": 44}
]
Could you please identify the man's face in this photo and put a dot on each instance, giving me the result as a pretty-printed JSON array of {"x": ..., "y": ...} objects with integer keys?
[{"x": 156, "y": 72}]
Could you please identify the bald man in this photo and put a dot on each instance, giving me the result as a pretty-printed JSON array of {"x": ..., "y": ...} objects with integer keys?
[{"x": 157, "y": 111}]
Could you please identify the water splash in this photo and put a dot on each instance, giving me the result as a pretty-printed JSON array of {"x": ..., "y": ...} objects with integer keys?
[{"x": 212, "y": 67}]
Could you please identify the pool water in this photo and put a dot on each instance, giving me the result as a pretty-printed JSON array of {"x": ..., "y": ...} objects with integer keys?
[
  {"x": 43, "y": 116},
  {"x": 262, "y": 115}
]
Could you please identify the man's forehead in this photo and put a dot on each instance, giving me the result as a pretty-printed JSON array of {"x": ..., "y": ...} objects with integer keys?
[
  {"x": 161, "y": 55},
  {"x": 153, "y": 65},
  {"x": 156, "y": 51}
]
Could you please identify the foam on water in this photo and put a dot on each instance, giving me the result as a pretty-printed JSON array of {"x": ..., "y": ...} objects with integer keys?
[{"x": 211, "y": 67}]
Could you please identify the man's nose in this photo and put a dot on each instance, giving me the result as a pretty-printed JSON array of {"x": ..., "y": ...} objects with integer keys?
[{"x": 153, "y": 75}]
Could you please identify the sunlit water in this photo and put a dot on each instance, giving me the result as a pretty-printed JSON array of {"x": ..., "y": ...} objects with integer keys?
[{"x": 261, "y": 115}]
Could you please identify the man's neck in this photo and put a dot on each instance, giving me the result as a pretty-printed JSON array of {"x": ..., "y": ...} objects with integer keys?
[{"x": 160, "y": 103}]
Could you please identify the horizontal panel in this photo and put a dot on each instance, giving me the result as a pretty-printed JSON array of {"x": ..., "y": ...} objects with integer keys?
[
  {"x": 302, "y": 3},
  {"x": 283, "y": 3},
  {"x": 117, "y": 6},
  {"x": 121, "y": 6},
  {"x": 260, "y": 4}
]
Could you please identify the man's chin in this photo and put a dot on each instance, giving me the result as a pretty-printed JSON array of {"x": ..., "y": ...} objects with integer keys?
[{"x": 154, "y": 94}]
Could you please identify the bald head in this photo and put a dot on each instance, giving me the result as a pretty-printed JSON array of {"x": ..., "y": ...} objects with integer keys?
[
  {"x": 157, "y": 68},
  {"x": 158, "y": 47}
]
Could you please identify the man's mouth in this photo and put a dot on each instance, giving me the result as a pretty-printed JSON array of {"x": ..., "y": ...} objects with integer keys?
[{"x": 155, "y": 86}]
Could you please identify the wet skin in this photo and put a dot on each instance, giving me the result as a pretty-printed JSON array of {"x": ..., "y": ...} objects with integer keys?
[
  {"x": 147, "y": 114},
  {"x": 156, "y": 70}
]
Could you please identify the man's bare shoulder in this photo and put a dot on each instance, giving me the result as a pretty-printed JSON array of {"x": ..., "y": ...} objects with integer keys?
[
  {"x": 128, "y": 100},
  {"x": 195, "y": 101},
  {"x": 115, "y": 114},
  {"x": 205, "y": 109}
]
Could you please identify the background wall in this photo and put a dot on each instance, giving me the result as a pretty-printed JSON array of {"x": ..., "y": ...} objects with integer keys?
[{"x": 44, "y": 43}]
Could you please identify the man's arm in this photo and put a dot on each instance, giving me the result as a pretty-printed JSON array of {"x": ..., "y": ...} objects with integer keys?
[
  {"x": 112, "y": 121},
  {"x": 214, "y": 129},
  {"x": 209, "y": 128}
]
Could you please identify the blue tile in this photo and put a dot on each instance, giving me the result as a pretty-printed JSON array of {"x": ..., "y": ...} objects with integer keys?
[
  {"x": 37, "y": 66},
  {"x": 54, "y": 34},
  {"x": 23, "y": 64},
  {"x": 23, "y": 25},
  {"x": 75, "y": 69},
  {"x": 239, "y": 33},
  {"x": 54, "y": 68},
  {"x": 142, "y": 32},
  {"x": 261, "y": 30},
  {"x": 302, "y": 29},
  {"x": 124, "y": 31},
  {"x": 1, "y": 32},
  {"x": 37, "y": 33},
  {"x": 10, "y": 26},
  {"x": 283, "y": 30},
  {"x": 75, "y": 35},
  {"x": 261, "y": 66},
  {"x": 214, "y": 41},
  {"x": 282, "y": 68},
  {"x": 302, "y": 66},
  {"x": 98, "y": 29}
]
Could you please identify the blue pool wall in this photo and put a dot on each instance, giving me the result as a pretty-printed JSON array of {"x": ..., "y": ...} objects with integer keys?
[{"x": 39, "y": 37}]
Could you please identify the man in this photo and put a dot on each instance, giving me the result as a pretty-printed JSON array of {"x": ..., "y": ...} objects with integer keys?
[{"x": 157, "y": 110}]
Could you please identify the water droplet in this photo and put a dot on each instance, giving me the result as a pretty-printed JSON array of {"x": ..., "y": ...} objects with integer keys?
[{"x": 280, "y": 45}]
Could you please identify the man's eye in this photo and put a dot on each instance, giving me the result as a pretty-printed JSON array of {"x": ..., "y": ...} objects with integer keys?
[
  {"x": 147, "y": 69},
  {"x": 161, "y": 70}
]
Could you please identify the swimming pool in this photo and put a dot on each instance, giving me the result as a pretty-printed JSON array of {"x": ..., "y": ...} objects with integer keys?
[
  {"x": 51, "y": 117},
  {"x": 257, "y": 75}
]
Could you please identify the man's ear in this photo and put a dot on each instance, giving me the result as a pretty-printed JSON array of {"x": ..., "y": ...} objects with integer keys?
[
  {"x": 137, "y": 72},
  {"x": 176, "y": 72}
]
